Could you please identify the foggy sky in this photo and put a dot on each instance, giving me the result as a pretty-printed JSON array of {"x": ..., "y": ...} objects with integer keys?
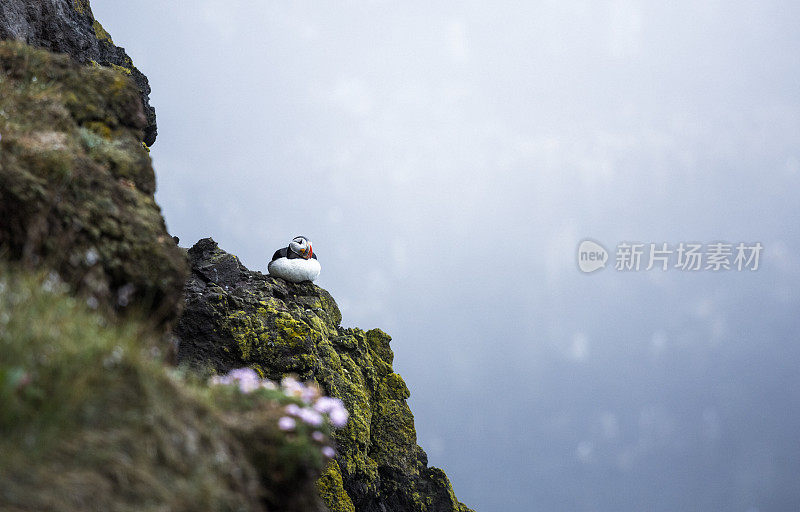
[{"x": 447, "y": 159}]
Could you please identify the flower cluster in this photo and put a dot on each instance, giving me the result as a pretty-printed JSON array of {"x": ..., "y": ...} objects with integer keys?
[
  {"x": 315, "y": 405},
  {"x": 314, "y": 411},
  {"x": 246, "y": 379}
]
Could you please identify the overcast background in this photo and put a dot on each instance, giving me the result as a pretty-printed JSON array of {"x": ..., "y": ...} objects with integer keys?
[{"x": 447, "y": 158}]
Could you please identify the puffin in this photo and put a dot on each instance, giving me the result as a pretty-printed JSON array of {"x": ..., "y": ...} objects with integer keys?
[{"x": 295, "y": 263}]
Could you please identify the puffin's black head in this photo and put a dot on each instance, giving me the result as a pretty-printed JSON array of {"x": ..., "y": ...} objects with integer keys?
[{"x": 301, "y": 246}]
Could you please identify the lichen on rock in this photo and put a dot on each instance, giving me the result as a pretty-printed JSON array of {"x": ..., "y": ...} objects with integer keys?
[{"x": 235, "y": 317}]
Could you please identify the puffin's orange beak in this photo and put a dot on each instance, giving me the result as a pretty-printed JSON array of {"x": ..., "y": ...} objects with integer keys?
[{"x": 310, "y": 252}]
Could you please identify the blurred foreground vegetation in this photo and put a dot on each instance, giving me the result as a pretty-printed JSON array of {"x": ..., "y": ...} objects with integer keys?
[{"x": 90, "y": 419}]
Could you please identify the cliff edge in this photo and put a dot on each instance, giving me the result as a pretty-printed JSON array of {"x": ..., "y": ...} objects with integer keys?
[{"x": 235, "y": 317}]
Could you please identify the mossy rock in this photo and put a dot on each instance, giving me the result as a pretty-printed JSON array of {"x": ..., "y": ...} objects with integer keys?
[
  {"x": 235, "y": 317},
  {"x": 77, "y": 186},
  {"x": 69, "y": 27}
]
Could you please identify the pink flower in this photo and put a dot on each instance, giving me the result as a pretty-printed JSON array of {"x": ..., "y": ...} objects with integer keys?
[
  {"x": 318, "y": 436},
  {"x": 309, "y": 394},
  {"x": 223, "y": 380},
  {"x": 244, "y": 374},
  {"x": 248, "y": 386},
  {"x": 286, "y": 423},
  {"x": 325, "y": 404},
  {"x": 338, "y": 417},
  {"x": 292, "y": 409},
  {"x": 292, "y": 387},
  {"x": 328, "y": 452},
  {"x": 246, "y": 378},
  {"x": 311, "y": 417}
]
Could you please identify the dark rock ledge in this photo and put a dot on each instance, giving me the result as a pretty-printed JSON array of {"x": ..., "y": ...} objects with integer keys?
[{"x": 235, "y": 317}]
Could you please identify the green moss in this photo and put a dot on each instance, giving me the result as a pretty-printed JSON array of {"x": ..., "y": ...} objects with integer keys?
[
  {"x": 101, "y": 33},
  {"x": 379, "y": 342},
  {"x": 290, "y": 327},
  {"x": 332, "y": 492},
  {"x": 259, "y": 370},
  {"x": 241, "y": 328},
  {"x": 121, "y": 69},
  {"x": 442, "y": 483},
  {"x": 82, "y": 6},
  {"x": 100, "y": 129},
  {"x": 393, "y": 387}
]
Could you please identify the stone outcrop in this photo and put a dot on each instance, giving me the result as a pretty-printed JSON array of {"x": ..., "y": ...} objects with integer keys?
[
  {"x": 77, "y": 185},
  {"x": 235, "y": 317},
  {"x": 68, "y": 26}
]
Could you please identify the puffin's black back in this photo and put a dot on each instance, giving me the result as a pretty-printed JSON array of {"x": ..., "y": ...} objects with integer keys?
[
  {"x": 280, "y": 253},
  {"x": 288, "y": 254}
]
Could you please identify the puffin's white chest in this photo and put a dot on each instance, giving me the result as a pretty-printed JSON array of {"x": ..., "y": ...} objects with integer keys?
[{"x": 295, "y": 270}]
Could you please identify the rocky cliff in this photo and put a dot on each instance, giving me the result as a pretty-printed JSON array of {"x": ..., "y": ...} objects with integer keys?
[
  {"x": 235, "y": 317},
  {"x": 69, "y": 27},
  {"x": 91, "y": 415},
  {"x": 77, "y": 186}
]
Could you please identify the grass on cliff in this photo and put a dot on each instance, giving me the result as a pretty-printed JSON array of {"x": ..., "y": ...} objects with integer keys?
[
  {"x": 91, "y": 420},
  {"x": 76, "y": 184}
]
